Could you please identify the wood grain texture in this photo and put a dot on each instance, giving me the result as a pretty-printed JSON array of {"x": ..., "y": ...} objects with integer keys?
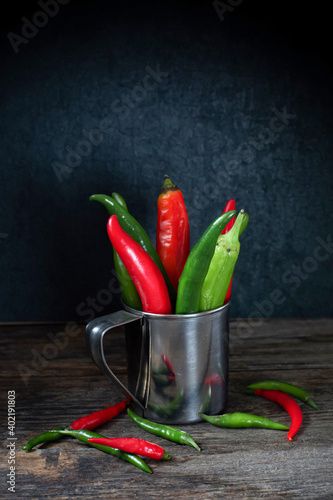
[{"x": 246, "y": 463}]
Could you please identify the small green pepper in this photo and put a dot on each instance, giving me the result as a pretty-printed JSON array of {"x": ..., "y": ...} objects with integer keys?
[
  {"x": 221, "y": 268},
  {"x": 243, "y": 420},
  {"x": 164, "y": 431},
  {"x": 196, "y": 267}
]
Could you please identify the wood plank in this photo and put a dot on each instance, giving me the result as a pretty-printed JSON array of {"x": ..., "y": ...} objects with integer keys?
[{"x": 246, "y": 463}]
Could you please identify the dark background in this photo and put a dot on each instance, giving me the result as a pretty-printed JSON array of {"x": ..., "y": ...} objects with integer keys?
[{"x": 225, "y": 77}]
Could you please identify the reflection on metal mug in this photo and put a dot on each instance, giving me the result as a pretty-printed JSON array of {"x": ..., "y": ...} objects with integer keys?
[{"x": 177, "y": 364}]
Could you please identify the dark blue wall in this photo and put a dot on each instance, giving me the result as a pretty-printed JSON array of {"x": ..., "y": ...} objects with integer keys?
[{"x": 211, "y": 122}]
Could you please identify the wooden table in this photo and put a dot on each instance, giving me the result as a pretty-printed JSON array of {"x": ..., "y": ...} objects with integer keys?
[{"x": 247, "y": 463}]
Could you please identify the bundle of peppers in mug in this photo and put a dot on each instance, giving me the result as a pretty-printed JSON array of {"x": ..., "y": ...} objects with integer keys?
[{"x": 173, "y": 279}]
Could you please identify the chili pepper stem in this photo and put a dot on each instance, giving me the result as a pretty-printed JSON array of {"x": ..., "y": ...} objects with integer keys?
[
  {"x": 45, "y": 437},
  {"x": 236, "y": 229},
  {"x": 247, "y": 390},
  {"x": 165, "y": 456},
  {"x": 167, "y": 185}
]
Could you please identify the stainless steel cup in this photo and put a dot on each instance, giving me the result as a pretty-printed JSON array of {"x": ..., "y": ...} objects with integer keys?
[{"x": 177, "y": 364}]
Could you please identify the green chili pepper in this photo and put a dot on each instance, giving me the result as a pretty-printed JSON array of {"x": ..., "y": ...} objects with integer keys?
[
  {"x": 131, "y": 226},
  {"x": 242, "y": 420},
  {"x": 83, "y": 435},
  {"x": 294, "y": 390},
  {"x": 196, "y": 266},
  {"x": 222, "y": 264},
  {"x": 164, "y": 431},
  {"x": 45, "y": 437},
  {"x": 129, "y": 293}
]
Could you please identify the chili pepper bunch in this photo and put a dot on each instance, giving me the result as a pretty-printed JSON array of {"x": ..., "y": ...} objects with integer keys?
[
  {"x": 129, "y": 449},
  {"x": 171, "y": 278}
]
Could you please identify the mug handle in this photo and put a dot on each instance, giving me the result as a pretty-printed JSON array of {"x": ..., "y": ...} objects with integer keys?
[{"x": 95, "y": 331}]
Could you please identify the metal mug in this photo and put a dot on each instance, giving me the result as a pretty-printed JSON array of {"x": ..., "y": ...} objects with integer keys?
[{"x": 177, "y": 364}]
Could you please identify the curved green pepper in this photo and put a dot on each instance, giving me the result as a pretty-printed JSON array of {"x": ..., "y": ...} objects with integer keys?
[
  {"x": 136, "y": 231},
  {"x": 164, "y": 431},
  {"x": 196, "y": 266},
  {"x": 221, "y": 268},
  {"x": 275, "y": 385},
  {"x": 129, "y": 293},
  {"x": 45, "y": 437},
  {"x": 243, "y": 420}
]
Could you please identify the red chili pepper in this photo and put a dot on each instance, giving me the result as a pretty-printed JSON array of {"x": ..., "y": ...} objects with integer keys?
[
  {"x": 289, "y": 404},
  {"x": 173, "y": 231},
  {"x": 133, "y": 445},
  {"x": 231, "y": 205},
  {"x": 98, "y": 417},
  {"x": 145, "y": 274}
]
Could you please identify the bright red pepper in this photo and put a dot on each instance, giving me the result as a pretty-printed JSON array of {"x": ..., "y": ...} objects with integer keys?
[
  {"x": 134, "y": 445},
  {"x": 289, "y": 404},
  {"x": 173, "y": 231},
  {"x": 231, "y": 205},
  {"x": 145, "y": 274},
  {"x": 98, "y": 417}
]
